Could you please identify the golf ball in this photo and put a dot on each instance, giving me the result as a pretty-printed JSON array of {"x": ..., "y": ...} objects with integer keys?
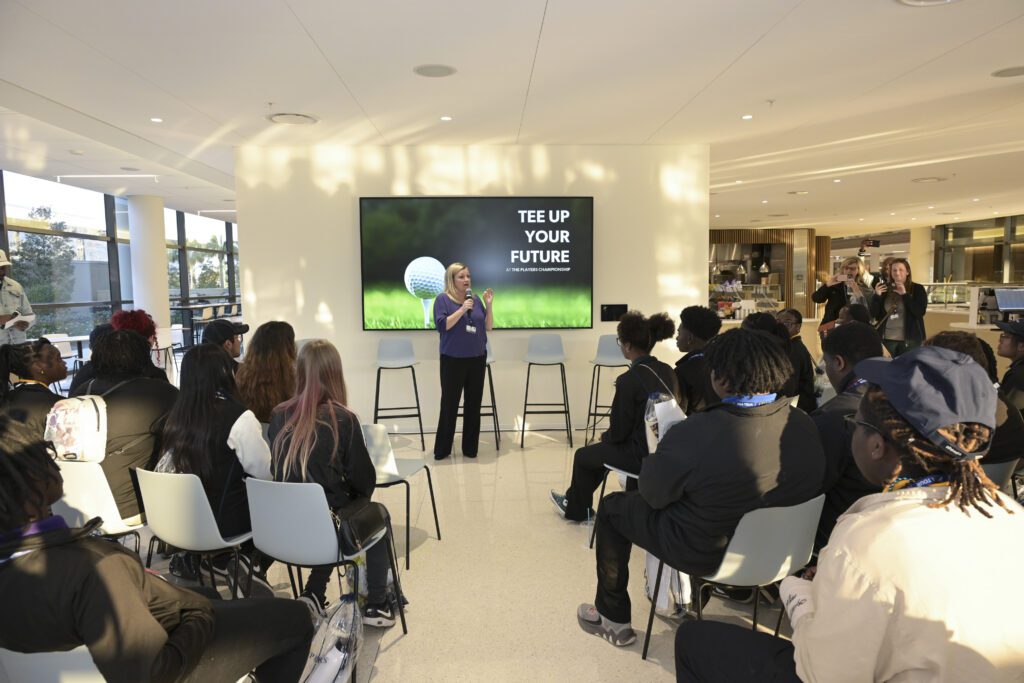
[{"x": 424, "y": 277}]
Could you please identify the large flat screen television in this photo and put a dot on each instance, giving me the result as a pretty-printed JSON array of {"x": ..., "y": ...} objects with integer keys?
[{"x": 536, "y": 253}]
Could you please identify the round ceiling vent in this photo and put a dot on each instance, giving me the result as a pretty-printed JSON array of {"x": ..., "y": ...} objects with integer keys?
[
  {"x": 290, "y": 119},
  {"x": 434, "y": 70}
]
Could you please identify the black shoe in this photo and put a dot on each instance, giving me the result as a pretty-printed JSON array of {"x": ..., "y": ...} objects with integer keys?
[
  {"x": 185, "y": 566},
  {"x": 469, "y": 455},
  {"x": 381, "y": 616},
  {"x": 441, "y": 457},
  {"x": 741, "y": 595}
]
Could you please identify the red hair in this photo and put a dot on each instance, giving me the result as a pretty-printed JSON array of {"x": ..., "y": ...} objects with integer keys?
[{"x": 135, "y": 321}]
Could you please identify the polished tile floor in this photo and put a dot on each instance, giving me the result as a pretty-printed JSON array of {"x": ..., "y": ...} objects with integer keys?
[{"x": 496, "y": 598}]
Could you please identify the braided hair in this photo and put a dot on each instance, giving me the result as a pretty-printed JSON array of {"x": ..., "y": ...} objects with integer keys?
[
  {"x": 748, "y": 362},
  {"x": 968, "y": 485},
  {"x": 26, "y": 469},
  {"x": 18, "y": 359}
]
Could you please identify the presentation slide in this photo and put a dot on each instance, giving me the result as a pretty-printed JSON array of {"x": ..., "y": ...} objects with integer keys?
[{"x": 536, "y": 253}]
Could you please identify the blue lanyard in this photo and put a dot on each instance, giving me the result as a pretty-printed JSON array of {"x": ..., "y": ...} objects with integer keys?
[
  {"x": 749, "y": 401},
  {"x": 694, "y": 356},
  {"x": 923, "y": 482}
]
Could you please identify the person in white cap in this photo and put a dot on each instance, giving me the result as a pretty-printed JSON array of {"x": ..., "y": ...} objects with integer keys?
[{"x": 13, "y": 301}]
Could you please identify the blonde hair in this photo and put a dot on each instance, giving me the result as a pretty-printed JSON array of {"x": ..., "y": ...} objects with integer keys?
[
  {"x": 855, "y": 260},
  {"x": 449, "y": 278}
]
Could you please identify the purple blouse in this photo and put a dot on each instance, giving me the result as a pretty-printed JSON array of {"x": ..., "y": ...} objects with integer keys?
[{"x": 458, "y": 342}]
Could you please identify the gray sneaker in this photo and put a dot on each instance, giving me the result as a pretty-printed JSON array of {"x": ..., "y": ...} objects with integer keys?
[
  {"x": 591, "y": 621},
  {"x": 560, "y": 503}
]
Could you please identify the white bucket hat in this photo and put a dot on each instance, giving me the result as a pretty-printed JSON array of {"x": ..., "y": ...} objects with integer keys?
[{"x": 3, "y": 258}]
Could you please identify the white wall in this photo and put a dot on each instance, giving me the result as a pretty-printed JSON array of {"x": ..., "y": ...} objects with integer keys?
[{"x": 298, "y": 217}]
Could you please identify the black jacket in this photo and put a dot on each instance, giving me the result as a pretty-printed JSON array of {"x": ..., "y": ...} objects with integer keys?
[
  {"x": 30, "y": 403},
  {"x": 134, "y": 409},
  {"x": 695, "y": 390},
  {"x": 915, "y": 305},
  {"x": 73, "y": 589},
  {"x": 843, "y": 484},
  {"x": 87, "y": 373},
  {"x": 834, "y": 298},
  {"x": 1012, "y": 386},
  {"x": 717, "y": 465},
  {"x": 345, "y": 471},
  {"x": 803, "y": 375},
  {"x": 1008, "y": 439},
  {"x": 647, "y": 375}
]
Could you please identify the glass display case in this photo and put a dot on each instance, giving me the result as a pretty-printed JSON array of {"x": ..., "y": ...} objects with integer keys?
[{"x": 948, "y": 295}]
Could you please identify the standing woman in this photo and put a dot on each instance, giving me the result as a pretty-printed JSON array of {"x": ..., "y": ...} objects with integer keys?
[
  {"x": 899, "y": 306},
  {"x": 463, "y": 321},
  {"x": 846, "y": 287},
  {"x": 267, "y": 377}
]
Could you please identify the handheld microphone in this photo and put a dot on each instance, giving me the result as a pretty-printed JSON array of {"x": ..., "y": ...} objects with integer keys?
[{"x": 469, "y": 292}]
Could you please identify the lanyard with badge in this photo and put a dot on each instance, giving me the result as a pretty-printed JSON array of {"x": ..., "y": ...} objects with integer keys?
[{"x": 470, "y": 327}]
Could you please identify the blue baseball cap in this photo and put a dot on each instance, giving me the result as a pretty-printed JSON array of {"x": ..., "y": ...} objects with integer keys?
[{"x": 932, "y": 388}]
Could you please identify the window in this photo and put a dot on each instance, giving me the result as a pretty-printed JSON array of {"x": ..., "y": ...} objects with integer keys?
[
  {"x": 35, "y": 203},
  {"x": 121, "y": 217},
  {"x": 208, "y": 274},
  {"x": 171, "y": 227},
  {"x": 204, "y": 233}
]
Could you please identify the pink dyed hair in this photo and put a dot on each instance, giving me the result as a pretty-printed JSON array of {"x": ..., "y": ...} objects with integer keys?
[{"x": 320, "y": 381}]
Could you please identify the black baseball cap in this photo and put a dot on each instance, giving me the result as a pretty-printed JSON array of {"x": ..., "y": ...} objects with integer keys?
[
  {"x": 1015, "y": 328},
  {"x": 221, "y": 330},
  {"x": 932, "y": 388}
]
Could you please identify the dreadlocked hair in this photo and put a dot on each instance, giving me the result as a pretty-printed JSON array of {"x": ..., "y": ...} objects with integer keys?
[
  {"x": 748, "y": 361},
  {"x": 17, "y": 359},
  {"x": 26, "y": 467},
  {"x": 968, "y": 484}
]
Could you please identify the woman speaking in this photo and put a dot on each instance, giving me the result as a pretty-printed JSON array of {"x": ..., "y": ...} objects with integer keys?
[{"x": 463, "y": 321}]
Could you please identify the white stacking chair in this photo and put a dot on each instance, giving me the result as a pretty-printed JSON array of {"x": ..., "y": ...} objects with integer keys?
[
  {"x": 608, "y": 355},
  {"x": 178, "y": 513},
  {"x": 292, "y": 523},
  {"x": 392, "y": 471},
  {"x": 87, "y": 495},
  {"x": 72, "y": 666},
  {"x": 769, "y": 544},
  {"x": 397, "y": 354},
  {"x": 546, "y": 349},
  {"x": 165, "y": 350}
]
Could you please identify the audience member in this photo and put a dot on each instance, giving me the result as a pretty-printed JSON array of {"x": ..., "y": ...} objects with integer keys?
[
  {"x": 87, "y": 372},
  {"x": 318, "y": 439},
  {"x": 624, "y": 444},
  {"x": 210, "y": 434},
  {"x": 32, "y": 367},
  {"x": 880, "y": 606},
  {"x": 854, "y": 312},
  {"x": 1011, "y": 345},
  {"x": 62, "y": 588},
  {"x": 267, "y": 377},
  {"x": 900, "y": 305},
  {"x": 227, "y": 335},
  {"x": 697, "y": 326},
  {"x": 136, "y": 408},
  {"x": 846, "y": 286},
  {"x": 137, "y": 321},
  {"x": 750, "y": 451},
  {"x": 767, "y": 323},
  {"x": 843, "y": 348},
  {"x": 1008, "y": 438},
  {"x": 800, "y": 357}
]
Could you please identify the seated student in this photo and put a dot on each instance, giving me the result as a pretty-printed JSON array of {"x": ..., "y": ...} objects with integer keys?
[
  {"x": 624, "y": 444},
  {"x": 800, "y": 357},
  {"x": 267, "y": 378},
  {"x": 843, "y": 348},
  {"x": 210, "y": 434},
  {"x": 1008, "y": 438},
  {"x": 36, "y": 364},
  {"x": 62, "y": 588},
  {"x": 752, "y": 450},
  {"x": 885, "y": 602},
  {"x": 318, "y": 439},
  {"x": 767, "y": 323},
  {"x": 854, "y": 313},
  {"x": 697, "y": 326},
  {"x": 136, "y": 407},
  {"x": 1011, "y": 345},
  {"x": 87, "y": 371},
  {"x": 227, "y": 335}
]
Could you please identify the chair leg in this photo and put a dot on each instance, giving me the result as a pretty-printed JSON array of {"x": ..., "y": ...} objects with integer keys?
[
  {"x": 235, "y": 589},
  {"x": 393, "y": 559},
  {"x": 376, "y": 398},
  {"x": 590, "y": 408},
  {"x": 526, "y": 402},
  {"x": 654, "y": 603},
  {"x": 782, "y": 613},
  {"x": 433, "y": 503},
  {"x": 149, "y": 555},
  {"x": 291, "y": 580},
  {"x": 593, "y": 530},
  {"x": 408, "y": 507},
  {"x": 494, "y": 410},
  {"x": 757, "y": 599},
  {"x": 416, "y": 393},
  {"x": 697, "y": 585},
  {"x": 565, "y": 401}
]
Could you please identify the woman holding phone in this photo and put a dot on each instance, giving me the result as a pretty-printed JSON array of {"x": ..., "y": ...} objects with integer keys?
[
  {"x": 846, "y": 286},
  {"x": 899, "y": 305},
  {"x": 463, "y": 320}
]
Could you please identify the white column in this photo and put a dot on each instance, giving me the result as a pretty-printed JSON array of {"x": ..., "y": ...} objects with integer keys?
[
  {"x": 922, "y": 259},
  {"x": 149, "y": 257}
]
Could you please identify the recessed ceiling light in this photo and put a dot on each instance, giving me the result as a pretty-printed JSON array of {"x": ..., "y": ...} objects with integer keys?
[
  {"x": 156, "y": 119},
  {"x": 291, "y": 119},
  {"x": 747, "y": 117},
  {"x": 718, "y": 215},
  {"x": 799, "y": 192},
  {"x": 925, "y": 3},
  {"x": 860, "y": 219},
  {"x": 929, "y": 179},
  {"x": 446, "y": 118},
  {"x": 76, "y": 152},
  {"x": 837, "y": 180},
  {"x": 1009, "y": 72},
  {"x": 913, "y": 219},
  {"x": 129, "y": 168},
  {"x": 976, "y": 199},
  {"x": 739, "y": 182},
  {"x": 995, "y": 213},
  {"x": 893, "y": 213},
  {"x": 764, "y": 201},
  {"x": 931, "y": 207},
  {"x": 434, "y": 70}
]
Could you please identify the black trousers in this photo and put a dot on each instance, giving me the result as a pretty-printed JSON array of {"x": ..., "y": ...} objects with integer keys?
[
  {"x": 710, "y": 651},
  {"x": 588, "y": 469},
  {"x": 624, "y": 520},
  {"x": 376, "y": 575},
  {"x": 270, "y": 635},
  {"x": 460, "y": 375}
]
